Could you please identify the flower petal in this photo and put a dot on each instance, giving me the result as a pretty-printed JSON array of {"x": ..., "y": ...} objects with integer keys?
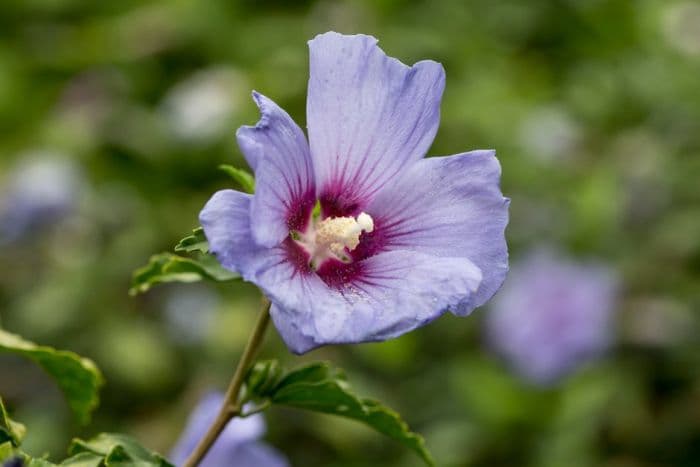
[
  {"x": 395, "y": 292},
  {"x": 449, "y": 207},
  {"x": 285, "y": 324},
  {"x": 239, "y": 431},
  {"x": 253, "y": 455},
  {"x": 226, "y": 222},
  {"x": 406, "y": 289},
  {"x": 299, "y": 299},
  {"x": 553, "y": 315},
  {"x": 277, "y": 150},
  {"x": 368, "y": 115}
]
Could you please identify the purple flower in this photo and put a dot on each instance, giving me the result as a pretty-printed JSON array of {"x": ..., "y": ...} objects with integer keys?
[
  {"x": 552, "y": 315},
  {"x": 43, "y": 189},
  {"x": 237, "y": 445},
  {"x": 398, "y": 238}
]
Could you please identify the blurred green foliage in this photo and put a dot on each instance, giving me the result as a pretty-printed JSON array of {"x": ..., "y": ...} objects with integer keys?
[
  {"x": 77, "y": 377},
  {"x": 593, "y": 106}
]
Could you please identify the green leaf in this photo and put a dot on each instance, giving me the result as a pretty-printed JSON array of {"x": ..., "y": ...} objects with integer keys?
[
  {"x": 167, "y": 267},
  {"x": 7, "y": 450},
  {"x": 114, "y": 450},
  {"x": 242, "y": 177},
  {"x": 10, "y": 452},
  {"x": 79, "y": 378},
  {"x": 9, "y": 429},
  {"x": 83, "y": 459},
  {"x": 34, "y": 462},
  {"x": 322, "y": 388},
  {"x": 194, "y": 242}
]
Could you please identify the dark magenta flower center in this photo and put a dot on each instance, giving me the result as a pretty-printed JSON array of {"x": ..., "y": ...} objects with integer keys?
[{"x": 330, "y": 241}]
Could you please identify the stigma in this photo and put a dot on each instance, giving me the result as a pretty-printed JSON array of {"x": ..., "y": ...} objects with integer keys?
[{"x": 333, "y": 237}]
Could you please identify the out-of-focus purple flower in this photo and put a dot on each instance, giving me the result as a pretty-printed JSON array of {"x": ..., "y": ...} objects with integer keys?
[
  {"x": 552, "y": 315},
  {"x": 239, "y": 444},
  {"x": 43, "y": 189},
  {"x": 14, "y": 462},
  {"x": 398, "y": 238}
]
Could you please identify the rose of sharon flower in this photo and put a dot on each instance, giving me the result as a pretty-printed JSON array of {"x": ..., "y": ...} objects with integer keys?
[
  {"x": 237, "y": 445},
  {"x": 552, "y": 315},
  {"x": 398, "y": 238}
]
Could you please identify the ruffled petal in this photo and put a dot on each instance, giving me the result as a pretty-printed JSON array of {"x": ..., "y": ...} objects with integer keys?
[
  {"x": 406, "y": 289},
  {"x": 393, "y": 293},
  {"x": 226, "y": 222},
  {"x": 306, "y": 312},
  {"x": 284, "y": 321},
  {"x": 368, "y": 115},
  {"x": 277, "y": 150},
  {"x": 449, "y": 207}
]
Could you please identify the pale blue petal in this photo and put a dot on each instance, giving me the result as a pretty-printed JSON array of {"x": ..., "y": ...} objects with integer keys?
[
  {"x": 285, "y": 324},
  {"x": 407, "y": 289},
  {"x": 277, "y": 150},
  {"x": 226, "y": 222},
  {"x": 368, "y": 115},
  {"x": 299, "y": 298},
  {"x": 238, "y": 431},
  {"x": 449, "y": 207},
  {"x": 396, "y": 292},
  {"x": 253, "y": 455}
]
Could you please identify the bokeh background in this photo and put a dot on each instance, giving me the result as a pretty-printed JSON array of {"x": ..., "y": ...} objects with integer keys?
[{"x": 114, "y": 116}]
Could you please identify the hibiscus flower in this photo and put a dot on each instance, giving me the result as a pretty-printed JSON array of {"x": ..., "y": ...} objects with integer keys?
[{"x": 355, "y": 236}]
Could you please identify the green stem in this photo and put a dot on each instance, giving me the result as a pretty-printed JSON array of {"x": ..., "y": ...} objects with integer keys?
[{"x": 231, "y": 406}]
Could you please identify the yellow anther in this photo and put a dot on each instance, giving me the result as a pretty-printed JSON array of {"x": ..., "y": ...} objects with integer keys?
[
  {"x": 338, "y": 233},
  {"x": 330, "y": 237}
]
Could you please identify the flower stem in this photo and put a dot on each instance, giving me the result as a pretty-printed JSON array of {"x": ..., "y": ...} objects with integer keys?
[{"x": 231, "y": 406}]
